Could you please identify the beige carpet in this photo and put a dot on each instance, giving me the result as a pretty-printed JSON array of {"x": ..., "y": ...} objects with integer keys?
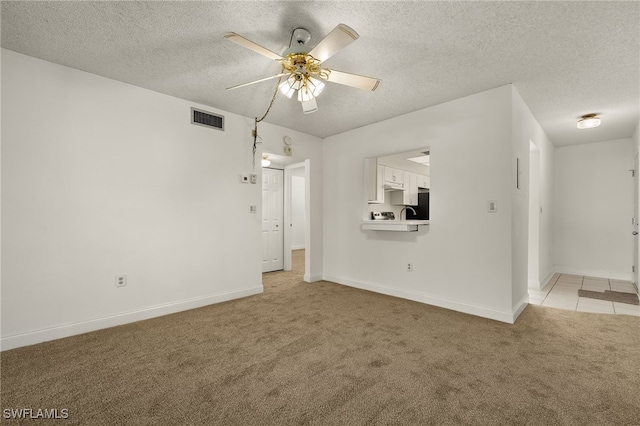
[{"x": 326, "y": 354}]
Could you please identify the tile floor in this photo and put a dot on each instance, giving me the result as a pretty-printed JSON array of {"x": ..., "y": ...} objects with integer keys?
[{"x": 562, "y": 292}]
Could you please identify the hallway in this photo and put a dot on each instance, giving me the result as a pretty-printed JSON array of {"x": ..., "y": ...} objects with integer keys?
[{"x": 562, "y": 292}]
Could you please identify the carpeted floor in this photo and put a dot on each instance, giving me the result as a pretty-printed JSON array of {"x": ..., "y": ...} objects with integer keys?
[{"x": 327, "y": 354}]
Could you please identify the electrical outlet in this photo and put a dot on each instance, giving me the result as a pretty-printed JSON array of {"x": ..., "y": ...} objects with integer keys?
[
  {"x": 253, "y": 209},
  {"x": 121, "y": 280},
  {"x": 253, "y": 178},
  {"x": 409, "y": 267}
]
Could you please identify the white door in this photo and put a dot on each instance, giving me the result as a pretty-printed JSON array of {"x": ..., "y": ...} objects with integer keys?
[{"x": 272, "y": 219}]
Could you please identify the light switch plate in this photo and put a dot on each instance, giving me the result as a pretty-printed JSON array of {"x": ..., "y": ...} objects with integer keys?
[{"x": 492, "y": 206}]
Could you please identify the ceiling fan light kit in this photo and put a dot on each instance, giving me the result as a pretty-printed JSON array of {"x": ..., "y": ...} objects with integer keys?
[
  {"x": 302, "y": 67},
  {"x": 589, "y": 121}
]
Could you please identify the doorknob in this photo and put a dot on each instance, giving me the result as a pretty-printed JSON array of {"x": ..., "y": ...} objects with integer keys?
[{"x": 635, "y": 233}]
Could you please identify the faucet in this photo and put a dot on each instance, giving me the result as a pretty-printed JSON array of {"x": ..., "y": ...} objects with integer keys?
[{"x": 405, "y": 215}]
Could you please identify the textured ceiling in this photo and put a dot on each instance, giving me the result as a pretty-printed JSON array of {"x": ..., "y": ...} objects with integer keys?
[{"x": 566, "y": 59}]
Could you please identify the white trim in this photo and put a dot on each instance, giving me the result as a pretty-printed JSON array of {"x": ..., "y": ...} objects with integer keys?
[
  {"x": 297, "y": 247},
  {"x": 312, "y": 278},
  {"x": 539, "y": 285},
  {"x": 519, "y": 307},
  {"x": 286, "y": 221},
  {"x": 601, "y": 273},
  {"x": 508, "y": 317},
  {"x": 546, "y": 279},
  {"x": 66, "y": 330}
]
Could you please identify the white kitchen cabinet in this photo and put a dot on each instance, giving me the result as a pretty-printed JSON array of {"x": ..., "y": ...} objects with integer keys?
[
  {"x": 424, "y": 182},
  {"x": 393, "y": 175},
  {"x": 375, "y": 181},
  {"x": 408, "y": 197}
]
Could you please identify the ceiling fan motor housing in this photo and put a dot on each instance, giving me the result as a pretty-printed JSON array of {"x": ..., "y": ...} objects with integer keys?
[{"x": 301, "y": 36}]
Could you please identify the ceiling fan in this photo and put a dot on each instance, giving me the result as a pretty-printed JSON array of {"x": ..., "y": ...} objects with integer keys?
[{"x": 302, "y": 66}]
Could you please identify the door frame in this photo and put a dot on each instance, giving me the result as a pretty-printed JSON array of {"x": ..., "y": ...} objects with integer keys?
[
  {"x": 287, "y": 213},
  {"x": 533, "y": 268},
  {"x": 635, "y": 240}
]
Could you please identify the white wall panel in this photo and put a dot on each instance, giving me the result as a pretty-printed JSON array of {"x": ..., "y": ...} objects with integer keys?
[{"x": 594, "y": 207}]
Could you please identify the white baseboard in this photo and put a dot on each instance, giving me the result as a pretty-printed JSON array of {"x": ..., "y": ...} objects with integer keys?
[
  {"x": 312, "y": 278},
  {"x": 600, "y": 273},
  {"x": 546, "y": 279},
  {"x": 519, "y": 307},
  {"x": 508, "y": 317},
  {"x": 66, "y": 330},
  {"x": 539, "y": 285}
]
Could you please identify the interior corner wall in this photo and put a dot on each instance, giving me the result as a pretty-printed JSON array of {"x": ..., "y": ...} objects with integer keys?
[
  {"x": 525, "y": 130},
  {"x": 102, "y": 178},
  {"x": 594, "y": 206},
  {"x": 519, "y": 201},
  {"x": 462, "y": 260}
]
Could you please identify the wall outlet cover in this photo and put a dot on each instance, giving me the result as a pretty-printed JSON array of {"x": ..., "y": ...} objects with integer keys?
[
  {"x": 253, "y": 178},
  {"x": 121, "y": 280}
]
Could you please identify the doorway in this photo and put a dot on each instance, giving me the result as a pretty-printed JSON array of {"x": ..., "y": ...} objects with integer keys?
[
  {"x": 296, "y": 201},
  {"x": 296, "y": 204}
]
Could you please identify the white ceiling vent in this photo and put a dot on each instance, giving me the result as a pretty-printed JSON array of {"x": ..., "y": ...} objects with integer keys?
[{"x": 207, "y": 119}]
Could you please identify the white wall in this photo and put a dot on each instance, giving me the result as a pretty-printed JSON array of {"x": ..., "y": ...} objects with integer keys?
[
  {"x": 594, "y": 205},
  {"x": 462, "y": 260},
  {"x": 102, "y": 178},
  {"x": 298, "y": 219},
  {"x": 526, "y": 130},
  {"x": 534, "y": 216}
]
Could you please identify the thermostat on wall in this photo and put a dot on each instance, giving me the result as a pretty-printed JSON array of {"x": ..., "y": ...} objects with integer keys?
[{"x": 287, "y": 140}]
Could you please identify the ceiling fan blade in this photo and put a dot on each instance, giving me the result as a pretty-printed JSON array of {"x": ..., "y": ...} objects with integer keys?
[
  {"x": 251, "y": 45},
  {"x": 258, "y": 81},
  {"x": 340, "y": 37},
  {"x": 354, "y": 80}
]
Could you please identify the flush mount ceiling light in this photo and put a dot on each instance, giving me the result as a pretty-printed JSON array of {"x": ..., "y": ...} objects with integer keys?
[
  {"x": 422, "y": 159},
  {"x": 301, "y": 66},
  {"x": 265, "y": 161},
  {"x": 589, "y": 121}
]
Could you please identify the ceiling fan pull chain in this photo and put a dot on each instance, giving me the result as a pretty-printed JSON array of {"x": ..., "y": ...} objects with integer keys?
[{"x": 256, "y": 121}]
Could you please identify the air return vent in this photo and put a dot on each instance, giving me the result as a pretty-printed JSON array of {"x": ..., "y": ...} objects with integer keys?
[{"x": 207, "y": 119}]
